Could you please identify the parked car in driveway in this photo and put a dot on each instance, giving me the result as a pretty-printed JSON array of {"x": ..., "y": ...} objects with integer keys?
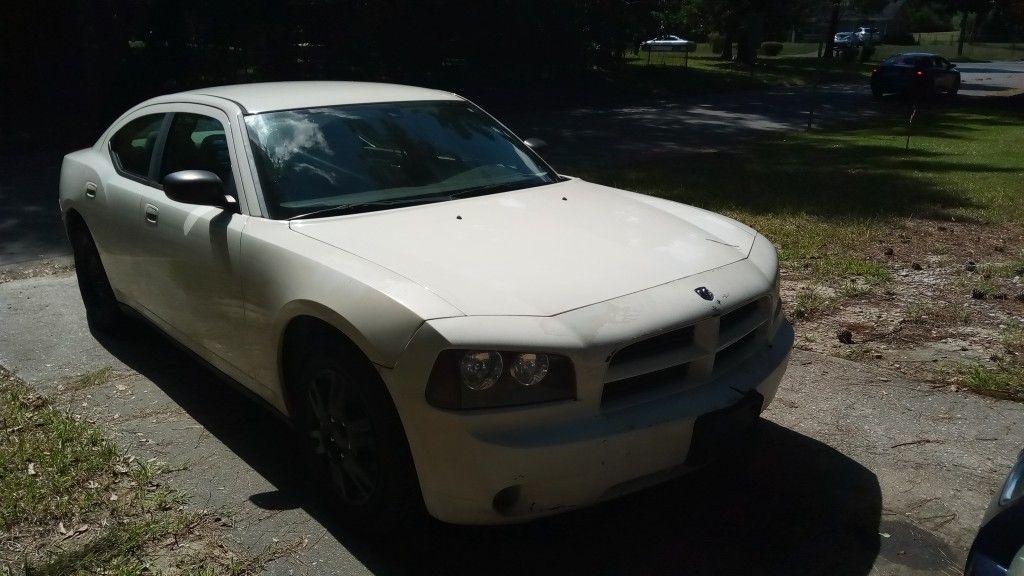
[
  {"x": 998, "y": 549},
  {"x": 447, "y": 322},
  {"x": 915, "y": 74},
  {"x": 668, "y": 43}
]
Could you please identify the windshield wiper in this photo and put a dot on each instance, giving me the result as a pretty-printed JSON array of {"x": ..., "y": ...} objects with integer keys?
[
  {"x": 357, "y": 207},
  {"x": 489, "y": 189}
]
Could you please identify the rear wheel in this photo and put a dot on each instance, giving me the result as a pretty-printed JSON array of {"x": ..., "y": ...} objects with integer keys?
[
  {"x": 355, "y": 445},
  {"x": 101, "y": 307}
]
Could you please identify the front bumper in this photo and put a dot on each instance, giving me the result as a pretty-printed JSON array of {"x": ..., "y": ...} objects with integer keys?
[{"x": 513, "y": 464}]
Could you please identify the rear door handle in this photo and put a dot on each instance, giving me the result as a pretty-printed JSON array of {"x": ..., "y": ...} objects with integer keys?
[
  {"x": 152, "y": 214},
  {"x": 90, "y": 189}
]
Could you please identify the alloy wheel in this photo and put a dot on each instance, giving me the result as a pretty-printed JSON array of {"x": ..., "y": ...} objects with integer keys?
[{"x": 342, "y": 434}]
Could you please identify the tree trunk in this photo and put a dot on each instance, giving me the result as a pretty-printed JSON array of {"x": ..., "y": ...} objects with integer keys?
[
  {"x": 963, "y": 34},
  {"x": 833, "y": 27},
  {"x": 727, "y": 47}
]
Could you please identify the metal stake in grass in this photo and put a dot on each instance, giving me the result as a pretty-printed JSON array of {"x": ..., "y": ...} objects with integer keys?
[{"x": 910, "y": 122}]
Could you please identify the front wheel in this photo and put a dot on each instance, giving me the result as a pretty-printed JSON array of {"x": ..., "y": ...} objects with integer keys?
[{"x": 354, "y": 441}]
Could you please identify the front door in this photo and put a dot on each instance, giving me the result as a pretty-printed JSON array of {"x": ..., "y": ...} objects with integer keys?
[{"x": 193, "y": 277}]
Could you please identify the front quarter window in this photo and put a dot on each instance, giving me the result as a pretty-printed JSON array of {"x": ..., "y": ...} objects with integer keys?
[{"x": 385, "y": 154}]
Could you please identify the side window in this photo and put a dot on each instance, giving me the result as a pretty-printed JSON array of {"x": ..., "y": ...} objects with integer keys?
[
  {"x": 197, "y": 142},
  {"x": 132, "y": 146}
]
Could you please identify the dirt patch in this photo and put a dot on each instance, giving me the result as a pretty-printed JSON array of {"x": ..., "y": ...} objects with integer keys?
[
  {"x": 954, "y": 305},
  {"x": 35, "y": 269}
]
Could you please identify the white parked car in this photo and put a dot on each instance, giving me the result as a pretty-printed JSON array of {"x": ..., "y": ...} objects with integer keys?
[
  {"x": 447, "y": 321},
  {"x": 668, "y": 43},
  {"x": 846, "y": 39},
  {"x": 865, "y": 34}
]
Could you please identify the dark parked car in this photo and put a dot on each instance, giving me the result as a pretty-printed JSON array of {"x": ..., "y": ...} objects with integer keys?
[
  {"x": 998, "y": 549},
  {"x": 915, "y": 74}
]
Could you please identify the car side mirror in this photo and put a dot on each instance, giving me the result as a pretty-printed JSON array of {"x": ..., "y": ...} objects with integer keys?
[
  {"x": 535, "y": 144},
  {"x": 195, "y": 187}
]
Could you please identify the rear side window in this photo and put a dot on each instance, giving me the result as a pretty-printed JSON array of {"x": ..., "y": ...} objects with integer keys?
[{"x": 132, "y": 146}]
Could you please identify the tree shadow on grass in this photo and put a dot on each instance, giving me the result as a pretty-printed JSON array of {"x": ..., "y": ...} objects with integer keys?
[
  {"x": 745, "y": 154},
  {"x": 814, "y": 177},
  {"x": 800, "y": 507}
]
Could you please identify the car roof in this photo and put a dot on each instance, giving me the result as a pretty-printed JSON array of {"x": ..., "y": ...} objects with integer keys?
[{"x": 269, "y": 96}]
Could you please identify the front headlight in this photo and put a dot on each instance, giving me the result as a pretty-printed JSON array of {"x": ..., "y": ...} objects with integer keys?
[
  {"x": 466, "y": 379},
  {"x": 1013, "y": 488}
]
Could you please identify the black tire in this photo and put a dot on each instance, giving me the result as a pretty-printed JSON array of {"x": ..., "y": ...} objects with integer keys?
[
  {"x": 354, "y": 442},
  {"x": 102, "y": 310}
]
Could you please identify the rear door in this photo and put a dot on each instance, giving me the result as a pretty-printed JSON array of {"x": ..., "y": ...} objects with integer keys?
[
  {"x": 192, "y": 252},
  {"x": 111, "y": 205}
]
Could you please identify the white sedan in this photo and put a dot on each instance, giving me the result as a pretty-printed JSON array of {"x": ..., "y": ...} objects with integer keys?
[
  {"x": 449, "y": 324},
  {"x": 668, "y": 43}
]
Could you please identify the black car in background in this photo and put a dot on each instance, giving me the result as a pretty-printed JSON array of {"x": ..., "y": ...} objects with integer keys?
[
  {"x": 998, "y": 549},
  {"x": 916, "y": 74}
]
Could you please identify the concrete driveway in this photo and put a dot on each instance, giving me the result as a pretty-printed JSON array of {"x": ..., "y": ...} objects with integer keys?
[{"x": 857, "y": 471}]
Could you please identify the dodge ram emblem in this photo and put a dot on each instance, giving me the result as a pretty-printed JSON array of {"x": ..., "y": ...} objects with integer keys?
[{"x": 704, "y": 293}]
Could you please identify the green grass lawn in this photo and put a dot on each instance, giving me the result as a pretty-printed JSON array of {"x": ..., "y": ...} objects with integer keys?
[{"x": 824, "y": 197}]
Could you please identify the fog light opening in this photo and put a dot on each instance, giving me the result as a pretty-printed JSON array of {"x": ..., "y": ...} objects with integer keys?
[{"x": 506, "y": 499}]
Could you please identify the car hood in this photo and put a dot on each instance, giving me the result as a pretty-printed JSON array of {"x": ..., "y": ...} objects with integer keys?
[{"x": 539, "y": 251}]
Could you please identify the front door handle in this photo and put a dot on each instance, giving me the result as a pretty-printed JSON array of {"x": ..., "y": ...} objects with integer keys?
[{"x": 152, "y": 214}]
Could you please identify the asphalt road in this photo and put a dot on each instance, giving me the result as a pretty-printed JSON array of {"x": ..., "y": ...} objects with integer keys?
[
  {"x": 857, "y": 470},
  {"x": 987, "y": 79}
]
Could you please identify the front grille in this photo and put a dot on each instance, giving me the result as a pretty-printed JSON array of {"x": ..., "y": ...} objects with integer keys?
[
  {"x": 733, "y": 353},
  {"x": 738, "y": 317},
  {"x": 687, "y": 356},
  {"x": 650, "y": 382},
  {"x": 669, "y": 341}
]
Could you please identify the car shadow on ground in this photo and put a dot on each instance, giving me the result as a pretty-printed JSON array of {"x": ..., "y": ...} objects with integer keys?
[{"x": 800, "y": 506}]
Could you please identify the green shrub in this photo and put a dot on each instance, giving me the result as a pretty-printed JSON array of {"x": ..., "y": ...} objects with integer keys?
[{"x": 771, "y": 48}]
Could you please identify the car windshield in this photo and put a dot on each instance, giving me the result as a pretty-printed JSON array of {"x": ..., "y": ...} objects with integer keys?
[{"x": 324, "y": 161}]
